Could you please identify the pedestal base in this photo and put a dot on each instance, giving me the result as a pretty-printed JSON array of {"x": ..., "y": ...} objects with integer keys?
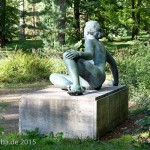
[{"x": 90, "y": 115}]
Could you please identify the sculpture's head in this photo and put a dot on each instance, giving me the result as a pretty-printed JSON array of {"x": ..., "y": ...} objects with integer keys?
[{"x": 92, "y": 28}]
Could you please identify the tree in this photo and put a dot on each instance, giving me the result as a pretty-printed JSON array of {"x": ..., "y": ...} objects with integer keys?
[
  {"x": 144, "y": 16},
  {"x": 12, "y": 20},
  {"x": 22, "y": 21},
  {"x": 2, "y": 22},
  {"x": 53, "y": 23},
  {"x": 62, "y": 21},
  {"x": 77, "y": 18},
  {"x": 32, "y": 11},
  {"x": 136, "y": 18},
  {"x": 116, "y": 17},
  {"x": 106, "y": 12}
]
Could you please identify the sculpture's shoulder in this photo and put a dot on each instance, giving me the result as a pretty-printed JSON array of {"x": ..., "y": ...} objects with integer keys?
[{"x": 89, "y": 43}]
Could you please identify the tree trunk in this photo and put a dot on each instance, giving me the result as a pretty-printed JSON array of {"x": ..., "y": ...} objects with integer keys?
[
  {"x": 33, "y": 21},
  {"x": 22, "y": 21},
  {"x": 136, "y": 17},
  {"x": 149, "y": 35},
  {"x": 138, "y": 13},
  {"x": 133, "y": 17},
  {"x": 77, "y": 18},
  {"x": 62, "y": 22},
  {"x": 2, "y": 22}
]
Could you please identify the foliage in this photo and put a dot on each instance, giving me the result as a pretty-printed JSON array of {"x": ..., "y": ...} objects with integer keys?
[
  {"x": 144, "y": 124},
  {"x": 44, "y": 17},
  {"x": 12, "y": 19},
  {"x": 33, "y": 11},
  {"x": 144, "y": 132},
  {"x": 118, "y": 17},
  {"x": 115, "y": 17},
  {"x": 2, "y": 22},
  {"x": 133, "y": 64},
  {"x": 34, "y": 140},
  {"x": 51, "y": 24},
  {"x": 26, "y": 46},
  {"x": 33, "y": 134},
  {"x": 20, "y": 67}
]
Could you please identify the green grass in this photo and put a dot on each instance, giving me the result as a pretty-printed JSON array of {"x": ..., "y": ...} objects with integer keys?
[
  {"x": 24, "y": 45},
  {"x": 124, "y": 42},
  {"x": 14, "y": 141},
  {"x": 116, "y": 45}
]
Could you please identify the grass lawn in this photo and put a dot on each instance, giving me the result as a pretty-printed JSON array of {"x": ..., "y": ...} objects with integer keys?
[
  {"x": 124, "y": 42},
  {"x": 123, "y": 144},
  {"x": 24, "y": 45},
  {"x": 33, "y": 140}
]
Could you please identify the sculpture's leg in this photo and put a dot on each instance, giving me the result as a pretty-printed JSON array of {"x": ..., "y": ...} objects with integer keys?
[
  {"x": 60, "y": 80},
  {"x": 74, "y": 75}
]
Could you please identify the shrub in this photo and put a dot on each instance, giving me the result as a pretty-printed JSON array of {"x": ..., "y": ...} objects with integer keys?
[
  {"x": 21, "y": 67},
  {"x": 134, "y": 66}
]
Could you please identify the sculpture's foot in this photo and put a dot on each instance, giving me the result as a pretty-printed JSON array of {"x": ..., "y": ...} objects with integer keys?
[{"x": 75, "y": 90}]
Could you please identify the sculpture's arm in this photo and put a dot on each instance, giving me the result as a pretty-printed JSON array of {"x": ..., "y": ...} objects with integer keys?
[
  {"x": 87, "y": 54},
  {"x": 89, "y": 50},
  {"x": 113, "y": 67}
]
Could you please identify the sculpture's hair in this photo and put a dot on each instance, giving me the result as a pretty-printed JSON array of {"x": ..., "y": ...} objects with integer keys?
[{"x": 91, "y": 26}]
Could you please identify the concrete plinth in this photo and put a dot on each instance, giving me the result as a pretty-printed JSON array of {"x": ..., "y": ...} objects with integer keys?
[{"x": 90, "y": 115}]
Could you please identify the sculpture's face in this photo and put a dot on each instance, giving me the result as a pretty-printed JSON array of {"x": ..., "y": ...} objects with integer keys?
[{"x": 92, "y": 30}]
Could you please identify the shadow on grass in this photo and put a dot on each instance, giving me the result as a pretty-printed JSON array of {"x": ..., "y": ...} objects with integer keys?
[
  {"x": 116, "y": 45},
  {"x": 24, "y": 45},
  {"x": 125, "y": 42}
]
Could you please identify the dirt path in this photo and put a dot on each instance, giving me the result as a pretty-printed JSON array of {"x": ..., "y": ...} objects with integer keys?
[{"x": 9, "y": 106}]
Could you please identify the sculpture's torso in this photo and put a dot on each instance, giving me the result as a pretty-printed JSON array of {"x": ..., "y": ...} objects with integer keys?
[{"x": 99, "y": 57}]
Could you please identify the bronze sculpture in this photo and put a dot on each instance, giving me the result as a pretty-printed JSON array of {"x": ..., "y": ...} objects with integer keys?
[{"x": 86, "y": 69}]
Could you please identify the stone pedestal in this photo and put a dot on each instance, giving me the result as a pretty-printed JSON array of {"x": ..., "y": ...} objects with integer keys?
[{"x": 90, "y": 115}]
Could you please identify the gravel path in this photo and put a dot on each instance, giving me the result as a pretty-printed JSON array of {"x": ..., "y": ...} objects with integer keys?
[{"x": 9, "y": 107}]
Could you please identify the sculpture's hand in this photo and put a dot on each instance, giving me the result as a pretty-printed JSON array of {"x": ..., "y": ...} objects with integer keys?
[{"x": 72, "y": 54}]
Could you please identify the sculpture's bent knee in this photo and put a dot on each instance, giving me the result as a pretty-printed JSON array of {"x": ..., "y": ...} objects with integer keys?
[{"x": 52, "y": 77}]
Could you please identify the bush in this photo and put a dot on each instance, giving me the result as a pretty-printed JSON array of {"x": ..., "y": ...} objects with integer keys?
[
  {"x": 134, "y": 66},
  {"x": 20, "y": 67}
]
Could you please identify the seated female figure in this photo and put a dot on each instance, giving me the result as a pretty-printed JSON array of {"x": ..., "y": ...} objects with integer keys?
[{"x": 86, "y": 69}]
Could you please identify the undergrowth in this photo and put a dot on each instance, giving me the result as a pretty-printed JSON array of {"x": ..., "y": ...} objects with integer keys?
[
  {"x": 21, "y": 67},
  {"x": 134, "y": 66},
  {"x": 34, "y": 140}
]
